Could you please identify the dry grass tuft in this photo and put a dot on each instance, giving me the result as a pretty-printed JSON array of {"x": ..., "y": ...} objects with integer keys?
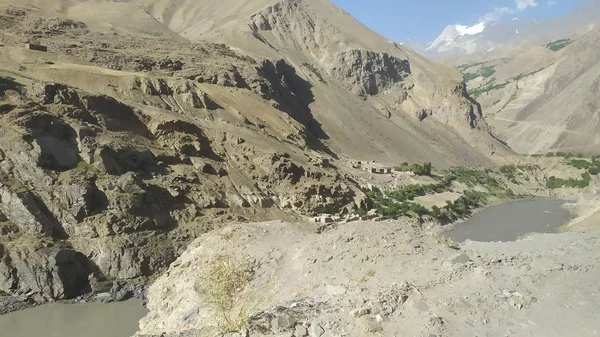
[
  {"x": 223, "y": 287},
  {"x": 446, "y": 241}
]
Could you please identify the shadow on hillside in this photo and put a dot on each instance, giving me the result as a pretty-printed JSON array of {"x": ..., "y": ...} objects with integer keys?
[
  {"x": 9, "y": 83},
  {"x": 293, "y": 95}
]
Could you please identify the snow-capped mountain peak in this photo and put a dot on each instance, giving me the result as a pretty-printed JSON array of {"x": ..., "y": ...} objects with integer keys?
[{"x": 453, "y": 31}]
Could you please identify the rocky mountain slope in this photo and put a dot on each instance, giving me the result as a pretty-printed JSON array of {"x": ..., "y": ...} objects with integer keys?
[
  {"x": 125, "y": 140},
  {"x": 330, "y": 48},
  {"x": 543, "y": 99}
]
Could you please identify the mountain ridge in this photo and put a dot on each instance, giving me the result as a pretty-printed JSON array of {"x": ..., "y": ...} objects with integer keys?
[{"x": 503, "y": 37}]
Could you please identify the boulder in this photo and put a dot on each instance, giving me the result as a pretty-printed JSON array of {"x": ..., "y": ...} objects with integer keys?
[
  {"x": 316, "y": 330},
  {"x": 129, "y": 256},
  {"x": 25, "y": 210},
  {"x": 44, "y": 273},
  {"x": 82, "y": 198}
]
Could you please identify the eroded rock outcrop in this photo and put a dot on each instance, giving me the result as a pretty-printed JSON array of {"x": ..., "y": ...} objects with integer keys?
[
  {"x": 27, "y": 212},
  {"x": 179, "y": 95},
  {"x": 369, "y": 73},
  {"x": 44, "y": 273}
]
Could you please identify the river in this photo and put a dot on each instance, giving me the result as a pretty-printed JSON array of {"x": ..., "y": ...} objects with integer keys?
[
  {"x": 512, "y": 220},
  {"x": 74, "y": 320}
]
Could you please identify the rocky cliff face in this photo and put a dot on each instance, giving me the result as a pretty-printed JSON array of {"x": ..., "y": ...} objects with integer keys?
[
  {"x": 369, "y": 73},
  {"x": 386, "y": 78}
]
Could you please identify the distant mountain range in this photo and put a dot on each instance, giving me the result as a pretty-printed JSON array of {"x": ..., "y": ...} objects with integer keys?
[{"x": 492, "y": 37}]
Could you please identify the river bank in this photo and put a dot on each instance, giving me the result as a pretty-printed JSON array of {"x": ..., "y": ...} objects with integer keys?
[{"x": 108, "y": 292}]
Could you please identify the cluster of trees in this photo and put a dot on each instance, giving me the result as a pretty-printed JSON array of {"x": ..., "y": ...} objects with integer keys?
[
  {"x": 510, "y": 171},
  {"x": 420, "y": 170},
  {"x": 398, "y": 203},
  {"x": 394, "y": 210},
  {"x": 411, "y": 192},
  {"x": 592, "y": 167},
  {"x": 472, "y": 178},
  {"x": 460, "y": 208},
  {"x": 565, "y": 155},
  {"x": 554, "y": 182}
]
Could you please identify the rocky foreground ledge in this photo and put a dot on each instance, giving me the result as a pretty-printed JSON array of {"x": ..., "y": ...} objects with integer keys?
[{"x": 391, "y": 278}]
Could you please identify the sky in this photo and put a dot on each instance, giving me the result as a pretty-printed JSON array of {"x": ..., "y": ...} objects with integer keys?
[{"x": 424, "y": 20}]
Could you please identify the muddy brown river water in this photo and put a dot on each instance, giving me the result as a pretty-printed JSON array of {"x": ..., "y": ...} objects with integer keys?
[
  {"x": 74, "y": 320},
  {"x": 512, "y": 220}
]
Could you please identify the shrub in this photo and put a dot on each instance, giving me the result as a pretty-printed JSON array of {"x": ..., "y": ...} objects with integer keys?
[
  {"x": 446, "y": 241},
  {"x": 222, "y": 288},
  {"x": 315, "y": 71},
  {"x": 509, "y": 171}
]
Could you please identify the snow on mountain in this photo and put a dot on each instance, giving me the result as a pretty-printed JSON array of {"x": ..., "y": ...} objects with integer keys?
[
  {"x": 491, "y": 36},
  {"x": 453, "y": 31}
]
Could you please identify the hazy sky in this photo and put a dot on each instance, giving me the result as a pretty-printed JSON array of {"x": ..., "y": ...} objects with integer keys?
[{"x": 424, "y": 20}]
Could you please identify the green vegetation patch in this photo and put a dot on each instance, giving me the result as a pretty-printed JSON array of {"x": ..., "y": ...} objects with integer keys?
[
  {"x": 470, "y": 76},
  {"x": 510, "y": 99},
  {"x": 224, "y": 50},
  {"x": 315, "y": 71},
  {"x": 584, "y": 182},
  {"x": 558, "y": 44},
  {"x": 523, "y": 75},
  {"x": 486, "y": 88},
  {"x": 482, "y": 187},
  {"x": 591, "y": 166},
  {"x": 484, "y": 72},
  {"x": 565, "y": 155},
  {"x": 420, "y": 170},
  {"x": 466, "y": 66},
  {"x": 488, "y": 71},
  {"x": 577, "y": 160},
  {"x": 473, "y": 178}
]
